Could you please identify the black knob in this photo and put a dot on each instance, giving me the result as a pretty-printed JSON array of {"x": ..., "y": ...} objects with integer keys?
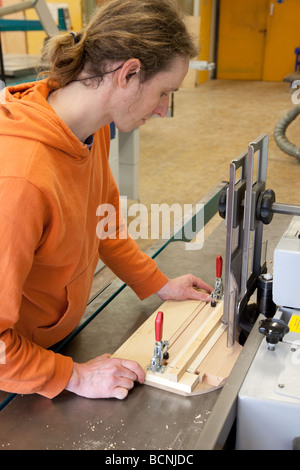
[
  {"x": 274, "y": 330},
  {"x": 222, "y": 203},
  {"x": 264, "y": 206}
]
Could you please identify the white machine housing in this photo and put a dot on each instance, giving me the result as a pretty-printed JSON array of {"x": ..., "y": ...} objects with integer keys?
[
  {"x": 268, "y": 410},
  {"x": 286, "y": 269}
]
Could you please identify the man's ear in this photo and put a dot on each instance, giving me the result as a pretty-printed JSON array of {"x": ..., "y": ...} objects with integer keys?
[{"x": 130, "y": 69}]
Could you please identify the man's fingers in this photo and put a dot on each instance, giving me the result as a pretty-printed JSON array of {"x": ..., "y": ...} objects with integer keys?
[
  {"x": 123, "y": 368},
  {"x": 121, "y": 390},
  {"x": 133, "y": 368},
  {"x": 202, "y": 285},
  {"x": 194, "y": 294},
  {"x": 198, "y": 295},
  {"x": 120, "y": 393},
  {"x": 105, "y": 377}
]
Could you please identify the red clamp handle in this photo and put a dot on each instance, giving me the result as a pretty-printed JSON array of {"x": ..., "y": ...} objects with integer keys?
[
  {"x": 159, "y": 326},
  {"x": 219, "y": 264}
]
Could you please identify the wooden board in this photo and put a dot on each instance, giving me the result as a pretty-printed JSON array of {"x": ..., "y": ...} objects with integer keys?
[{"x": 199, "y": 360}]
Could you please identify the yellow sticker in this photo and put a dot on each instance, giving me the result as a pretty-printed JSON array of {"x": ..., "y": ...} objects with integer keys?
[{"x": 294, "y": 324}]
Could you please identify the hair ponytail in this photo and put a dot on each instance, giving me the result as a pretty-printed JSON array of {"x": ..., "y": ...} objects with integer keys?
[
  {"x": 63, "y": 58},
  {"x": 152, "y": 31}
]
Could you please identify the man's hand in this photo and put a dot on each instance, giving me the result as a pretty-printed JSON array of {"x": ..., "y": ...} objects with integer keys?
[
  {"x": 184, "y": 288},
  {"x": 104, "y": 377}
]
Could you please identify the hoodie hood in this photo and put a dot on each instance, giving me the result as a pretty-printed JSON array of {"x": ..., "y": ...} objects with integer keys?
[{"x": 26, "y": 113}]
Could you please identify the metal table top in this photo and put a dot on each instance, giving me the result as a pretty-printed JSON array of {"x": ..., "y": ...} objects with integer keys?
[{"x": 148, "y": 418}]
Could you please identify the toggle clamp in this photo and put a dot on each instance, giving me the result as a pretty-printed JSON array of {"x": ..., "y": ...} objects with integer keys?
[
  {"x": 160, "y": 347},
  {"x": 217, "y": 293}
]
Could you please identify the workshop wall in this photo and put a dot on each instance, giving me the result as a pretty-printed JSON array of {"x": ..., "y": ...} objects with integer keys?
[
  {"x": 257, "y": 39},
  {"x": 207, "y": 35},
  {"x": 35, "y": 39},
  {"x": 13, "y": 42},
  {"x": 283, "y": 36}
]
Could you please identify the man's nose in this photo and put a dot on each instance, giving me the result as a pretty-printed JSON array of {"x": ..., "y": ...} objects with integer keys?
[{"x": 162, "y": 109}]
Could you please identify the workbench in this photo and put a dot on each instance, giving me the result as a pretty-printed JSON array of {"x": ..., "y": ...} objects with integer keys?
[{"x": 149, "y": 418}]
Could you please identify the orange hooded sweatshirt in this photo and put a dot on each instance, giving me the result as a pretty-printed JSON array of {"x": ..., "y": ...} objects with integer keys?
[{"x": 51, "y": 187}]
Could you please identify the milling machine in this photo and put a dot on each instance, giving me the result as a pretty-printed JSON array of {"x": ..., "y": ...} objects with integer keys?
[{"x": 268, "y": 406}]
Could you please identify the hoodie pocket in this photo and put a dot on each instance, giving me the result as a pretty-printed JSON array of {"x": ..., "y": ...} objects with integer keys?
[{"x": 77, "y": 292}]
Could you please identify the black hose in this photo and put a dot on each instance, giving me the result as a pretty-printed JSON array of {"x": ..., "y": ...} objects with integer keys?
[{"x": 279, "y": 133}]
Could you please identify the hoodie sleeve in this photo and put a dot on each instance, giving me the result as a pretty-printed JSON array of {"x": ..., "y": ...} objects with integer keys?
[
  {"x": 120, "y": 252},
  {"x": 25, "y": 367}
]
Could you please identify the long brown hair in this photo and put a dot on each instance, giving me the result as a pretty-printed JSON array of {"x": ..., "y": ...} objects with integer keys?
[{"x": 152, "y": 31}]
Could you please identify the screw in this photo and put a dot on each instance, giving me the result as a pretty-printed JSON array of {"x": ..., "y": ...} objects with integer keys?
[{"x": 281, "y": 385}]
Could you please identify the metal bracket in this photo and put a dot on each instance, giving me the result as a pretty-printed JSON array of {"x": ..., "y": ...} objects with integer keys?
[{"x": 241, "y": 272}]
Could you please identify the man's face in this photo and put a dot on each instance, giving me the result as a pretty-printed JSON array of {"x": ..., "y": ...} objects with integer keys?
[{"x": 144, "y": 100}]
